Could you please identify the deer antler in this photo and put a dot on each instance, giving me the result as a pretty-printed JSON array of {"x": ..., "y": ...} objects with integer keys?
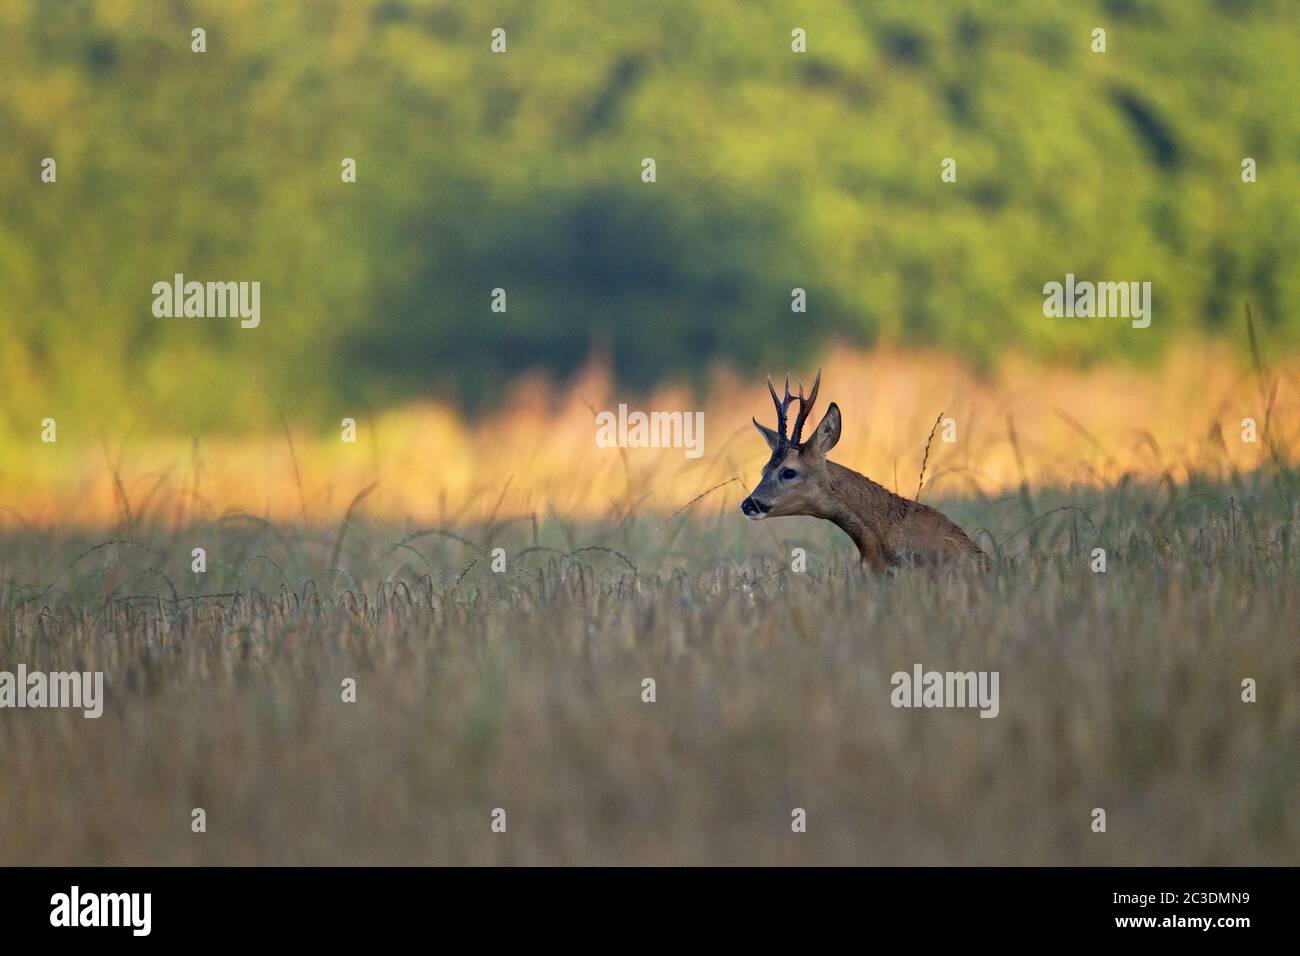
[
  {"x": 805, "y": 406},
  {"x": 782, "y": 405}
]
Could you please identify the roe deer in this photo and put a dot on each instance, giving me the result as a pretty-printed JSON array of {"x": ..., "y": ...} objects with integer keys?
[{"x": 888, "y": 529}]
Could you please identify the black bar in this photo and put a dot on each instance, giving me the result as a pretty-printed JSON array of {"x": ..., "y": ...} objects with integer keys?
[{"x": 340, "y": 905}]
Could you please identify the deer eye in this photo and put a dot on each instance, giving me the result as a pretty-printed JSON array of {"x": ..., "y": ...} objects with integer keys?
[{"x": 788, "y": 474}]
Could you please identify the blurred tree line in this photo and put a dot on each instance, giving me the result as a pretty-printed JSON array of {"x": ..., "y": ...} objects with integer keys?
[{"x": 522, "y": 171}]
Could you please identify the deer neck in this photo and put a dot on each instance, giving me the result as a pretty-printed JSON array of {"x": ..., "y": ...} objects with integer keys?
[{"x": 863, "y": 510}]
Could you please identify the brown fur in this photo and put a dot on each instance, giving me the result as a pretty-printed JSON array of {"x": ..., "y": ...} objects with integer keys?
[{"x": 888, "y": 529}]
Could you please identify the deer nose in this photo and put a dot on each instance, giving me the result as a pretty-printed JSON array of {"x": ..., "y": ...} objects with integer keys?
[{"x": 751, "y": 506}]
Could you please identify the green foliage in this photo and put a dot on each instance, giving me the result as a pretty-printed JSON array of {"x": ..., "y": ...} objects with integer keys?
[{"x": 522, "y": 171}]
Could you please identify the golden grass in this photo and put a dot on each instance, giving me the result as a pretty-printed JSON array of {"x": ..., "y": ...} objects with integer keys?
[
  {"x": 538, "y": 455},
  {"x": 522, "y": 690}
]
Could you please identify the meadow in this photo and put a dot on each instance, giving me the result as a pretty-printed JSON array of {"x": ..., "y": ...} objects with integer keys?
[
  {"x": 390, "y": 482},
  {"x": 523, "y": 690}
]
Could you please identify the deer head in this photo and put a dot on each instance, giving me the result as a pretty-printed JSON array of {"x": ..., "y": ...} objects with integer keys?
[{"x": 795, "y": 479}]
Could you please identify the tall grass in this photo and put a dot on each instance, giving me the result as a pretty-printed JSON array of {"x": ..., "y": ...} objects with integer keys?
[
  {"x": 1024, "y": 425},
  {"x": 522, "y": 689}
]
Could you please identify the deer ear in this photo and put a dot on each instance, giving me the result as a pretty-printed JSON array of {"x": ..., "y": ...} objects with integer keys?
[
  {"x": 769, "y": 436},
  {"x": 827, "y": 433}
]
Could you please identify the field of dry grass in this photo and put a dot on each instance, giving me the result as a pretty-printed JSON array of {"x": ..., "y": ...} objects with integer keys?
[
  {"x": 523, "y": 690},
  {"x": 537, "y": 455}
]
